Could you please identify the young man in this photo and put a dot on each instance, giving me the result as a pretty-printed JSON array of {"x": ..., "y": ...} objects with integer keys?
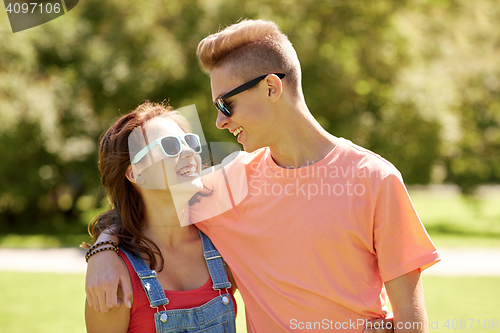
[{"x": 326, "y": 224}]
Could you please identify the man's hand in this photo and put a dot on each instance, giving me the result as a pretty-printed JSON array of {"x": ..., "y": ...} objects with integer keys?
[
  {"x": 380, "y": 325},
  {"x": 105, "y": 273}
]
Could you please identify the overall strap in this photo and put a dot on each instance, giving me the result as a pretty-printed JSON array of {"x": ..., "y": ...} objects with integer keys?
[
  {"x": 215, "y": 263},
  {"x": 151, "y": 285}
]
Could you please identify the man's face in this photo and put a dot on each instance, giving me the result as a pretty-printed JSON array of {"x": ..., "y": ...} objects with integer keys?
[{"x": 248, "y": 121}]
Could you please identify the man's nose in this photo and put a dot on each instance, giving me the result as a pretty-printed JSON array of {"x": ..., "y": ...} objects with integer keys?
[{"x": 222, "y": 120}]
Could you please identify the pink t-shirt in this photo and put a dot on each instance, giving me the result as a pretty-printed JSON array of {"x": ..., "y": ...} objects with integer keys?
[{"x": 311, "y": 247}]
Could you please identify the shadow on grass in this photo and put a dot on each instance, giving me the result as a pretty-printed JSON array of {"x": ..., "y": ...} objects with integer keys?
[
  {"x": 70, "y": 234},
  {"x": 451, "y": 230},
  {"x": 43, "y": 240}
]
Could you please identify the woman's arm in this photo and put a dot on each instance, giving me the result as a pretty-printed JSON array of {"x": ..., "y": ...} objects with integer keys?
[{"x": 105, "y": 274}]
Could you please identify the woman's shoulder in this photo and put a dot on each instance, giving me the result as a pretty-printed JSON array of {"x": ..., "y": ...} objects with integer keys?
[{"x": 136, "y": 282}]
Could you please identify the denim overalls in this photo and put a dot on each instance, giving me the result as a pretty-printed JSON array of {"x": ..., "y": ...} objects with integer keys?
[{"x": 215, "y": 316}]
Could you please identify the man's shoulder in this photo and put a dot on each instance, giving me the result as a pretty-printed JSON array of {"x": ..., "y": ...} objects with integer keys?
[{"x": 360, "y": 157}]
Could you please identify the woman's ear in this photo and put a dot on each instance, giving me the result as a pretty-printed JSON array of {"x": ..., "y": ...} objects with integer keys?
[{"x": 133, "y": 177}]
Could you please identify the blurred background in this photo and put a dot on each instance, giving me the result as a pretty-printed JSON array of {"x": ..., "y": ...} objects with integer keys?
[{"x": 415, "y": 81}]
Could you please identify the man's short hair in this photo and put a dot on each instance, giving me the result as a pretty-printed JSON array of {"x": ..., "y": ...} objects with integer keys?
[{"x": 251, "y": 48}]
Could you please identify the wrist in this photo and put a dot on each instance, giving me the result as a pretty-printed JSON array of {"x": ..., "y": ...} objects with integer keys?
[{"x": 101, "y": 246}]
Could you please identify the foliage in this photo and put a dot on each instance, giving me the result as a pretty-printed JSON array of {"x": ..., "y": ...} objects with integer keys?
[
  {"x": 454, "y": 79},
  {"x": 415, "y": 81}
]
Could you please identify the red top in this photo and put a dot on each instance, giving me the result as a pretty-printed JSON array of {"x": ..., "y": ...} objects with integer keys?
[{"x": 142, "y": 315}]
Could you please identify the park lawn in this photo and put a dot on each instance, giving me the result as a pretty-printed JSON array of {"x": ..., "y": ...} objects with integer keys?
[
  {"x": 50, "y": 303},
  {"x": 43, "y": 302},
  {"x": 53, "y": 303},
  {"x": 453, "y": 221},
  {"x": 461, "y": 304}
]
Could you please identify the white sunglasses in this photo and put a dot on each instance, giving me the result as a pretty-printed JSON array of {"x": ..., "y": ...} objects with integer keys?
[{"x": 171, "y": 145}]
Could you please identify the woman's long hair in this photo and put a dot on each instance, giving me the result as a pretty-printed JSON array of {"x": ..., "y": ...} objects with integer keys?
[{"x": 126, "y": 216}]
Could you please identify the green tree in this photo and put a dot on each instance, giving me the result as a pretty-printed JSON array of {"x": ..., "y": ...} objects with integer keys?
[
  {"x": 415, "y": 81},
  {"x": 454, "y": 79}
]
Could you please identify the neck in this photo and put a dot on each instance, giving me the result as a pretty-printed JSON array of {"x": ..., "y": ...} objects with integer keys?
[
  {"x": 300, "y": 139},
  {"x": 167, "y": 223}
]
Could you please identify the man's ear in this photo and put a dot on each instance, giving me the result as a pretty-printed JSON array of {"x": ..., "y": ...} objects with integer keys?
[
  {"x": 133, "y": 177},
  {"x": 274, "y": 87}
]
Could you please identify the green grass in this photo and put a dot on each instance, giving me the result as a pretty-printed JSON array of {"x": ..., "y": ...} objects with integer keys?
[
  {"x": 50, "y": 303},
  {"x": 453, "y": 221},
  {"x": 37, "y": 302},
  {"x": 454, "y": 301},
  {"x": 53, "y": 303}
]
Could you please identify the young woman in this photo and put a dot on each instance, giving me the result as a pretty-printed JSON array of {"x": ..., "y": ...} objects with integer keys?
[{"x": 179, "y": 279}]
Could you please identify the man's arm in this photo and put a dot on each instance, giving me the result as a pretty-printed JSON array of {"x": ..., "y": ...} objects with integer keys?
[
  {"x": 231, "y": 279},
  {"x": 406, "y": 294},
  {"x": 105, "y": 273}
]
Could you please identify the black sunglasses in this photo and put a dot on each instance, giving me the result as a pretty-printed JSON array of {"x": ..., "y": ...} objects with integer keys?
[{"x": 220, "y": 102}]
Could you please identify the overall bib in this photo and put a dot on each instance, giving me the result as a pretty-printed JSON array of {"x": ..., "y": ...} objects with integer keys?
[{"x": 215, "y": 316}]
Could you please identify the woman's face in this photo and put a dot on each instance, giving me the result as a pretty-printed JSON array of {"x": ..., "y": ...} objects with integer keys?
[{"x": 179, "y": 174}]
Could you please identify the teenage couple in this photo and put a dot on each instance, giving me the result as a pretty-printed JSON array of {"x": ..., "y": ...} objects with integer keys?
[{"x": 323, "y": 234}]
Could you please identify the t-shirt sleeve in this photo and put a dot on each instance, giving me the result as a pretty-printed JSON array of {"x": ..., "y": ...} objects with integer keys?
[{"x": 400, "y": 239}]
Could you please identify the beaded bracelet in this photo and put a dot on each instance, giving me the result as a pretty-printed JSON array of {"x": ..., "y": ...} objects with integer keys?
[
  {"x": 108, "y": 242},
  {"x": 90, "y": 254}
]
